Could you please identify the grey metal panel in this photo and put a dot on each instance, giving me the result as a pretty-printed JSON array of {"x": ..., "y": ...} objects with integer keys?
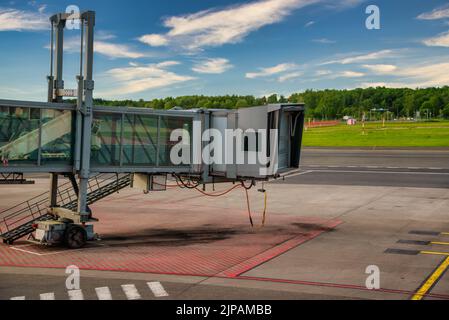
[
  {"x": 183, "y": 169},
  {"x": 36, "y": 169},
  {"x": 144, "y": 111},
  {"x": 284, "y": 140},
  {"x": 36, "y": 105}
]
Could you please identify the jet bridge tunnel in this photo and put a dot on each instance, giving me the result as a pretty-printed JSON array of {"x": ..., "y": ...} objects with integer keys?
[{"x": 40, "y": 137}]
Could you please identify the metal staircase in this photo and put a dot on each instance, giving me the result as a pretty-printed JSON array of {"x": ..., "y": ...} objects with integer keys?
[{"x": 18, "y": 221}]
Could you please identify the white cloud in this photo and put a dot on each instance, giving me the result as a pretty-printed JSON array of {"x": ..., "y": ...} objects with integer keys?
[
  {"x": 321, "y": 73},
  {"x": 309, "y": 24},
  {"x": 229, "y": 25},
  {"x": 42, "y": 8},
  {"x": 214, "y": 66},
  {"x": 418, "y": 76},
  {"x": 289, "y": 76},
  {"x": 442, "y": 40},
  {"x": 439, "y": 13},
  {"x": 350, "y": 74},
  {"x": 265, "y": 72},
  {"x": 154, "y": 40},
  {"x": 137, "y": 78},
  {"x": 108, "y": 49},
  {"x": 427, "y": 75},
  {"x": 361, "y": 58},
  {"x": 113, "y": 50},
  {"x": 324, "y": 41},
  {"x": 381, "y": 68},
  {"x": 19, "y": 20}
]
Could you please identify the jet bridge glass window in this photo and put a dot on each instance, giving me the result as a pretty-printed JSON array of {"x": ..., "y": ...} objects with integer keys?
[
  {"x": 19, "y": 137},
  {"x": 106, "y": 133},
  {"x": 34, "y": 136},
  {"x": 167, "y": 126},
  {"x": 140, "y": 140},
  {"x": 57, "y": 138}
]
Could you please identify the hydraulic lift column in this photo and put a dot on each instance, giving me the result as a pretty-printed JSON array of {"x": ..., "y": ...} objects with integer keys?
[
  {"x": 56, "y": 82},
  {"x": 89, "y": 19}
]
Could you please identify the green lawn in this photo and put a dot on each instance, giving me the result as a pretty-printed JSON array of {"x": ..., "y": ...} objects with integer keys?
[{"x": 398, "y": 134}]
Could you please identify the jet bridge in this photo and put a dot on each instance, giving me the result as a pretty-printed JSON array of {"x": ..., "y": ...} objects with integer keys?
[{"x": 104, "y": 149}]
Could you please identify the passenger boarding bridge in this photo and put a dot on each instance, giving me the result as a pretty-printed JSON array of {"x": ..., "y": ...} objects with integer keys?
[{"x": 104, "y": 149}]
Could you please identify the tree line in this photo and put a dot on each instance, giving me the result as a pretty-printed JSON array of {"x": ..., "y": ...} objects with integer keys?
[{"x": 321, "y": 104}]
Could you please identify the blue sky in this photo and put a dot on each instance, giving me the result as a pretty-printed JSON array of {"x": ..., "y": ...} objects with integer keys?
[{"x": 154, "y": 49}]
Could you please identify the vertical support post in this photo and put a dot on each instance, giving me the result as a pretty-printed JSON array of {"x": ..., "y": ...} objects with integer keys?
[
  {"x": 53, "y": 190},
  {"x": 51, "y": 78},
  {"x": 205, "y": 167},
  {"x": 59, "y": 50},
  {"x": 84, "y": 174},
  {"x": 158, "y": 147},
  {"x": 122, "y": 123},
  {"x": 79, "y": 106}
]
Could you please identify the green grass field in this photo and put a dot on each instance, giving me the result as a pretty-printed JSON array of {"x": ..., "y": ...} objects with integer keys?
[{"x": 397, "y": 134}]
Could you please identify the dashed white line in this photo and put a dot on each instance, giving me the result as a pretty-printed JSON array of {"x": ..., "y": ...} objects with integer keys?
[
  {"x": 157, "y": 289},
  {"x": 103, "y": 293},
  {"x": 17, "y": 298},
  {"x": 47, "y": 296},
  {"x": 76, "y": 295},
  {"x": 131, "y": 292}
]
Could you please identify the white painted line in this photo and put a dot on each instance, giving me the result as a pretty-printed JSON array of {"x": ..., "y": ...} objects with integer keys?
[
  {"x": 26, "y": 251},
  {"x": 298, "y": 174},
  {"x": 18, "y": 248},
  {"x": 157, "y": 289},
  {"x": 103, "y": 293},
  {"x": 131, "y": 292},
  {"x": 76, "y": 295},
  {"x": 47, "y": 296},
  {"x": 383, "y": 172},
  {"x": 17, "y": 298}
]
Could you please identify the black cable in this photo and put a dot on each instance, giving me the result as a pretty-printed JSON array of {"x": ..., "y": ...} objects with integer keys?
[{"x": 247, "y": 188}]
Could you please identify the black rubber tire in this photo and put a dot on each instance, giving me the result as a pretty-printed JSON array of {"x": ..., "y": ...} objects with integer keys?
[{"x": 75, "y": 237}]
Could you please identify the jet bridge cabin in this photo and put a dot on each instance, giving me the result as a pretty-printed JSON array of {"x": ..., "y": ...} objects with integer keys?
[{"x": 283, "y": 125}]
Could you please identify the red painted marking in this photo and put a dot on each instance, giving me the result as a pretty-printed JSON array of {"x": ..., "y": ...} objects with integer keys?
[
  {"x": 207, "y": 254},
  {"x": 275, "y": 252},
  {"x": 341, "y": 286}
]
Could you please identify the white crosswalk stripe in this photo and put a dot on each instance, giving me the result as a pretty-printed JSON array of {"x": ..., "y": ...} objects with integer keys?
[
  {"x": 103, "y": 293},
  {"x": 131, "y": 292},
  {"x": 47, "y": 296},
  {"x": 157, "y": 289},
  {"x": 76, "y": 295}
]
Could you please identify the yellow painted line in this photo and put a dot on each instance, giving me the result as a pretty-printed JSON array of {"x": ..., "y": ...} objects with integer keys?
[
  {"x": 432, "y": 280},
  {"x": 445, "y": 233},
  {"x": 440, "y": 243},
  {"x": 435, "y": 253}
]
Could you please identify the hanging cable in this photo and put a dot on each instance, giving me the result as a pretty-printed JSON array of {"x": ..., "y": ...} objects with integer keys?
[
  {"x": 189, "y": 185},
  {"x": 264, "y": 214}
]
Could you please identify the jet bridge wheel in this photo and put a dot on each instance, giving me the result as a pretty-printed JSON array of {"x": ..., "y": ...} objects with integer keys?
[{"x": 75, "y": 237}]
